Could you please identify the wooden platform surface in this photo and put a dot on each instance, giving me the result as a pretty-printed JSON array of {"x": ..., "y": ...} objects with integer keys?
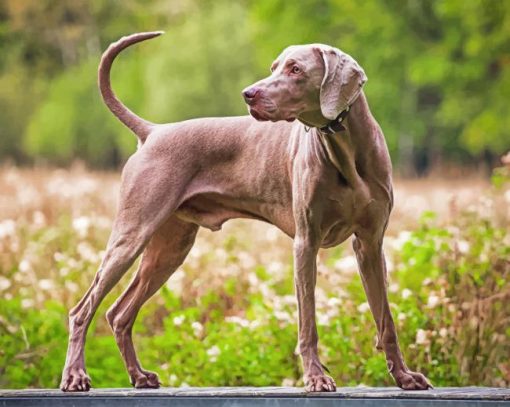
[{"x": 260, "y": 396}]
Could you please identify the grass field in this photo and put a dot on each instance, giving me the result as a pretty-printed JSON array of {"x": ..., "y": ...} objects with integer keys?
[{"x": 228, "y": 317}]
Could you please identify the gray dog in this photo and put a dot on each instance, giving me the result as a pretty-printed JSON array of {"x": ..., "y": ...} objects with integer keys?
[{"x": 320, "y": 180}]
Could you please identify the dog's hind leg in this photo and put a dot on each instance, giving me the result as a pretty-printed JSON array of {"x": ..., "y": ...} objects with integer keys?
[
  {"x": 164, "y": 253},
  {"x": 146, "y": 202}
]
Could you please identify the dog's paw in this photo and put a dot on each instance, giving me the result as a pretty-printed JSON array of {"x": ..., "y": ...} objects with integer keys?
[
  {"x": 75, "y": 380},
  {"x": 408, "y": 380},
  {"x": 145, "y": 380},
  {"x": 319, "y": 382}
]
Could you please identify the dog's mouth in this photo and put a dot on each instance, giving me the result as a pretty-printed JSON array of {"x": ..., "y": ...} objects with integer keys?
[
  {"x": 258, "y": 115},
  {"x": 265, "y": 116}
]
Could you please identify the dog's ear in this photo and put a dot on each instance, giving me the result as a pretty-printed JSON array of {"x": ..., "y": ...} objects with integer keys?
[{"x": 342, "y": 82}]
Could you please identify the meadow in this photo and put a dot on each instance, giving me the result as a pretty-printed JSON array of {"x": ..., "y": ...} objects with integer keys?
[{"x": 228, "y": 316}]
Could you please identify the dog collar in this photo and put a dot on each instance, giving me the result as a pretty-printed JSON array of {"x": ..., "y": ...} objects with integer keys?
[{"x": 336, "y": 125}]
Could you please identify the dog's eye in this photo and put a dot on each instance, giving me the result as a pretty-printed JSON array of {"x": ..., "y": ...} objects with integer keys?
[{"x": 295, "y": 69}]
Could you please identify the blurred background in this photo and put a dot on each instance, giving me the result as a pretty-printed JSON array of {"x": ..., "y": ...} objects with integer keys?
[{"x": 439, "y": 85}]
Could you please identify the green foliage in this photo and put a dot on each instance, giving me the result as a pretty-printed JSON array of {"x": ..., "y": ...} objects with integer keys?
[
  {"x": 438, "y": 71},
  {"x": 447, "y": 291}
]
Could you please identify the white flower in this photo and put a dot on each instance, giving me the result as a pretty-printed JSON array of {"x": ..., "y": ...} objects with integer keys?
[
  {"x": 323, "y": 319},
  {"x": 213, "y": 353},
  {"x": 443, "y": 332},
  {"x": 24, "y": 266},
  {"x": 46, "y": 284},
  {"x": 197, "y": 327},
  {"x": 433, "y": 301},
  {"x": 238, "y": 320},
  {"x": 254, "y": 324},
  {"x": 81, "y": 225},
  {"x": 27, "y": 303},
  {"x": 393, "y": 288},
  {"x": 334, "y": 302},
  {"x": 5, "y": 283},
  {"x": 7, "y": 228},
  {"x": 364, "y": 307},
  {"x": 282, "y": 316},
  {"x": 173, "y": 379},
  {"x": 348, "y": 263},
  {"x": 272, "y": 234},
  {"x": 275, "y": 267},
  {"x": 463, "y": 246},
  {"x": 421, "y": 337},
  {"x": 507, "y": 195},
  {"x": 71, "y": 286},
  {"x": 402, "y": 238},
  {"x": 179, "y": 320},
  {"x": 176, "y": 282},
  {"x": 39, "y": 219},
  {"x": 406, "y": 293},
  {"x": 401, "y": 316}
]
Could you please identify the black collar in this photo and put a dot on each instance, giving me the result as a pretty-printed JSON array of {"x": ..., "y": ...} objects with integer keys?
[{"x": 336, "y": 126}]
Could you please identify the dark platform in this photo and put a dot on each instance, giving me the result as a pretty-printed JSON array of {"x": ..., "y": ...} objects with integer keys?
[{"x": 260, "y": 396}]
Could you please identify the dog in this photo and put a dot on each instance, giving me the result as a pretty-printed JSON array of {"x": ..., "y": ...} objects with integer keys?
[{"x": 310, "y": 159}]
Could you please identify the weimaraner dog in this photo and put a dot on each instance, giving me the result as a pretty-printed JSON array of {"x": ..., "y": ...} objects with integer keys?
[{"x": 319, "y": 179}]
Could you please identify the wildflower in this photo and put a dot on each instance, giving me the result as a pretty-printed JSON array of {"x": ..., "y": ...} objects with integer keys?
[
  {"x": 323, "y": 319},
  {"x": 27, "y": 303},
  {"x": 421, "y": 337},
  {"x": 334, "y": 302},
  {"x": 364, "y": 307},
  {"x": 179, "y": 320},
  {"x": 173, "y": 378},
  {"x": 507, "y": 195},
  {"x": 238, "y": 320},
  {"x": 4, "y": 283},
  {"x": 393, "y": 288},
  {"x": 213, "y": 353},
  {"x": 433, "y": 301},
  {"x": 71, "y": 286},
  {"x": 406, "y": 293},
  {"x": 282, "y": 316},
  {"x": 275, "y": 267},
  {"x": 7, "y": 228},
  {"x": 272, "y": 234},
  {"x": 197, "y": 327},
  {"x": 463, "y": 246},
  {"x": 46, "y": 284},
  {"x": 81, "y": 225},
  {"x": 175, "y": 283},
  {"x": 348, "y": 263},
  {"x": 401, "y": 239},
  {"x": 401, "y": 316},
  {"x": 39, "y": 219},
  {"x": 24, "y": 266},
  {"x": 443, "y": 332}
]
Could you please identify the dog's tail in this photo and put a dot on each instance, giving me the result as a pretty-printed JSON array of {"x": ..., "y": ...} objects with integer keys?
[{"x": 138, "y": 125}]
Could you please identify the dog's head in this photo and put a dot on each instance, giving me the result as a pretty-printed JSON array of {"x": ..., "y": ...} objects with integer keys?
[{"x": 306, "y": 78}]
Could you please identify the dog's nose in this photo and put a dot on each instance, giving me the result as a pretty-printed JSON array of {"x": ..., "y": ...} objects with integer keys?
[{"x": 250, "y": 93}]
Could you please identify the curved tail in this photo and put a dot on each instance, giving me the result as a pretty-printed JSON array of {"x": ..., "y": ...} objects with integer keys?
[{"x": 137, "y": 125}]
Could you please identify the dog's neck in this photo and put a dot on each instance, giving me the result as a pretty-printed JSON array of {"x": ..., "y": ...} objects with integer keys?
[{"x": 347, "y": 149}]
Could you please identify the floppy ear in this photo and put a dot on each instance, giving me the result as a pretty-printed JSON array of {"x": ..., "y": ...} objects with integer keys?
[{"x": 342, "y": 82}]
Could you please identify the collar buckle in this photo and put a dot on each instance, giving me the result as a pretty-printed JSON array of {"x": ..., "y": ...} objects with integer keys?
[{"x": 336, "y": 126}]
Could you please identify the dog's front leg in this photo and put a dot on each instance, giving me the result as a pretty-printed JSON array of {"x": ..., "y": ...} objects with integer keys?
[
  {"x": 306, "y": 247},
  {"x": 373, "y": 275}
]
